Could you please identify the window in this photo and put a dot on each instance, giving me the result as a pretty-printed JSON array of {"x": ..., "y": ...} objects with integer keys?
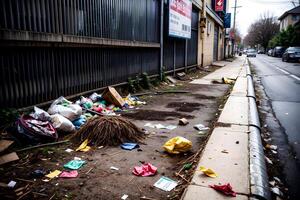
[
  {"x": 295, "y": 17},
  {"x": 208, "y": 27}
]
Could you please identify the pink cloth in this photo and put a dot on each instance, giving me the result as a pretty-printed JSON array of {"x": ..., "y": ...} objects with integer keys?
[
  {"x": 144, "y": 170},
  {"x": 70, "y": 174}
]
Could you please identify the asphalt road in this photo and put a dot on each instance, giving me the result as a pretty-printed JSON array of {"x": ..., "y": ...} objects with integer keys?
[{"x": 281, "y": 82}]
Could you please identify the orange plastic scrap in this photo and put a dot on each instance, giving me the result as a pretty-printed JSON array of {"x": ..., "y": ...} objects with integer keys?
[{"x": 208, "y": 172}]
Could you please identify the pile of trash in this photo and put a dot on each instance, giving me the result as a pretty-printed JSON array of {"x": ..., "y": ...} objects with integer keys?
[{"x": 67, "y": 117}]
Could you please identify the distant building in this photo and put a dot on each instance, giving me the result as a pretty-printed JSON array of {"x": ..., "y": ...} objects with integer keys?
[{"x": 289, "y": 18}]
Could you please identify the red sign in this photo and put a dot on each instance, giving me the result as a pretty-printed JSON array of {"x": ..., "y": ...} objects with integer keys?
[{"x": 219, "y": 5}]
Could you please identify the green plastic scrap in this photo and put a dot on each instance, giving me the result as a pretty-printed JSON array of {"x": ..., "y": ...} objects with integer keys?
[
  {"x": 74, "y": 164},
  {"x": 187, "y": 166}
]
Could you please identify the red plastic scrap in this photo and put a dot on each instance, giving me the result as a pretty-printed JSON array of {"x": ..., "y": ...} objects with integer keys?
[
  {"x": 225, "y": 189},
  {"x": 145, "y": 170}
]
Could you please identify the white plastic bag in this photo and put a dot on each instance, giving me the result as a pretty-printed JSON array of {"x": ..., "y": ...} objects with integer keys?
[
  {"x": 40, "y": 114},
  {"x": 61, "y": 123},
  {"x": 71, "y": 111}
]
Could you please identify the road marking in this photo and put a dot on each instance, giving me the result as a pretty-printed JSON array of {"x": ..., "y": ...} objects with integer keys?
[
  {"x": 295, "y": 77},
  {"x": 282, "y": 70}
]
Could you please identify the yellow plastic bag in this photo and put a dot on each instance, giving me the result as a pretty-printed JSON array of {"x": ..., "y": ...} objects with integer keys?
[
  {"x": 84, "y": 146},
  {"x": 53, "y": 174},
  {"x": 177, "y": 145},
  {"x": 208, "y": 172}
]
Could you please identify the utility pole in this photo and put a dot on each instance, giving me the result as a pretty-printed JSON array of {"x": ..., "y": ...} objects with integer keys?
[{"x": 234, "y": 18}]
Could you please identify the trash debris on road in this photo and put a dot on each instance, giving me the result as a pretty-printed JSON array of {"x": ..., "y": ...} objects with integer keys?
[
  {"x": 269, "y": 160},
  {"x": 201, "y": 127},
  {"x": 166, "y": 184},
  {"x": 11, "y": 184},
  {"x": 183, "y": 122},
  {"x": 272, "y": 147},
  {"x": 109, "y": 130},
  {"x": 129, "y": 146},
  {"x": 53, "y": 174},
  {"x": 69, "y": 174},
  {"x": 124, "y": 197},
  {"x": 225, "y": 189},
  {"x": 160, "y": 126},
  {"x": 38, "y": 173},
  {"x": 84, "y": 146},
  {"x": 8, "y": 158},
  {"x": 208, "y": 172},
  {"x": 69, "y": 150},
  {"x": 114, "y": 168},
  {"x": 230, "y": 81},
  {"x": 4, "y": 144},
  {"x": 62, "y": 123},
  {"x": 187, "y": 166},
  {"x": 177, "y": 145},
  {"x": 224, "y": 151},
  {"x": 113, "y": 97},
  {"x": 75, "y": 164},
  {"x": 276, "y": 191},
  {"x": 145, "y": 170},
  {"x": 79, "y": 121}
]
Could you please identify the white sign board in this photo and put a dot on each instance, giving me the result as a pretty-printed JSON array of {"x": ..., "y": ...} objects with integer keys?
[{"x": 180, "y": 18}]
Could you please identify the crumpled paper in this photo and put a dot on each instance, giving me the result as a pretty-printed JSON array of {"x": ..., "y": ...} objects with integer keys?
[
  {"x": 208, "y": 172},
  {"x": 145, "y": 170},
  {"x": 225, "y": 189},
  {"x": 177, "y": 145}
]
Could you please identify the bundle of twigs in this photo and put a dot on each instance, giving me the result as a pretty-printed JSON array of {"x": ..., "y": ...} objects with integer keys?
[{"x": 109, "y": 131}]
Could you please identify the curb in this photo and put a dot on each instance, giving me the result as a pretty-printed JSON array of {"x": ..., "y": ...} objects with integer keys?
[{"x": 259, "y": 184}]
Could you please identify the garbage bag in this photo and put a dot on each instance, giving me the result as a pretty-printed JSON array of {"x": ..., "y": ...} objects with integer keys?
[
  {"x": 65, "y": 108},
  {"x": 61, "y": 123},
  {"x": 35, "y": 131},
  {"x": 40, "y": 114},
  {"x": 177, "y": 145},
  {"x": 79, "y": 121}
]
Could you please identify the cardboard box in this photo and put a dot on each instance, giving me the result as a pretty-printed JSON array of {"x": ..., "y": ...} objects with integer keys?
[{"x": 112, "y": 96}]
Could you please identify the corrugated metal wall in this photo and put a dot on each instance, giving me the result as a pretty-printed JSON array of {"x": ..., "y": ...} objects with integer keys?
[
  {"x": 116, "y": 19},
  {"x": 32, "y": 75}
]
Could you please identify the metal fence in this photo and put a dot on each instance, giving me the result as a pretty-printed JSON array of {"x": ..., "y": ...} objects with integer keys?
[
  {"x": 116, "y": 19},
  {"x": 31, "y": 75}
]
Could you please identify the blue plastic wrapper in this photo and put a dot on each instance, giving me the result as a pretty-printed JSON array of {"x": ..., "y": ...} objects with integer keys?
[{"x": 129, "y": 146}]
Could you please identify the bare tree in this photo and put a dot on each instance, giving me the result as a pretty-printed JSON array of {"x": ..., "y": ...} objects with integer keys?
[{"x": 262, "y": 31}]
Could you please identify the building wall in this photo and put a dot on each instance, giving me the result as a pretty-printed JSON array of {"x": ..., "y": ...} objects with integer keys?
[
  {"x": 290, "y": 19},
  {"x": 221, "y": 44},
  {"x": 208, "y": 41}
]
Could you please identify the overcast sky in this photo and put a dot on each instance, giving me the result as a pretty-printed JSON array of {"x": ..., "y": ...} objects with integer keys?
[{"x": 252, "y": 9}]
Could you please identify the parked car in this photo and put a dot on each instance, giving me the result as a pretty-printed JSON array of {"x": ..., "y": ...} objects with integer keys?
[
  {"x": 270, "y": 52},
  {"x": 291, "y": 54},
  {"x": 251, "y": 53},
  {"x": 278, "y": 51},
  {"x": 245, "y": 51},
  {"x": 260, "y": 52}
]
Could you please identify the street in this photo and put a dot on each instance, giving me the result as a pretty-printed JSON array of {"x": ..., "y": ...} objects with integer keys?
[{"x": 281, "y": 84}]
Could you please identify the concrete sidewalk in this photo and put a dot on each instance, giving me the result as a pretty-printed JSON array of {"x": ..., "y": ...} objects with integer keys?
[{"x": 232, "y": 136}]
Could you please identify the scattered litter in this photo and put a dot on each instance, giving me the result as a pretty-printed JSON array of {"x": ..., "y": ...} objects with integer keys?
[
  {"x": 113, "y": 97},
  {"x": 40, "y": 114},
  {"x": 79, "y": 121},
  {"x": 109, "y": 130},
  {"x": 38, "y": 173},
  {"x": 224, "y": 151},
  {"x": 208, "y": 172},
  {"x": 225, "y": 189},
  {"x": 187, "y": 166},
  {"x": 145, "y": 170},
  {"x": 273, "y": 147},
  {"x": 69, "y": 150},
  {"x": 166, "y": 184},
  {"x": 84, "y": 146},
  {"x": 277, "y": 179},
  {"x": 11, "y": 184},
  {"x": 201, "y": 127},
  {"x": 114, "y": 168},
  {"x": 124, "y": 197},
  {"x": 77, "y": 158},
  {"x": 160, "y": 126},
  {"x": 237, "y": 142},
  {"x": 183, "y": 122},
  {"x": 180, "y": 76},
  {"x": 53, "y": 174},
  {"x": 4, "y": 144},
  {"x": 228, "y": 80},
  {"x": 177, "y": 145},
  {"x": 62, "y": 123},
  {"x": 272, "y": 183},
  {"x": 74, "y": 164},
  {"x": 8, "y": 158},
  {"x": 276, "y": 191},
  {"x": 171, "y": 79},
  {"x": 70, "y": 174},
  {"x": 129, "y": 146},
  {"x": 269, "y": 160}
]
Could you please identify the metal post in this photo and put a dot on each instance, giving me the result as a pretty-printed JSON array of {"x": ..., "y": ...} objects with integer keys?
[
  {"x": 234, "y": 27},
  {"x": 161, "y": 39},
  {"x": 185, "y": 56},
  {"x": 174, "y": 57}
]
